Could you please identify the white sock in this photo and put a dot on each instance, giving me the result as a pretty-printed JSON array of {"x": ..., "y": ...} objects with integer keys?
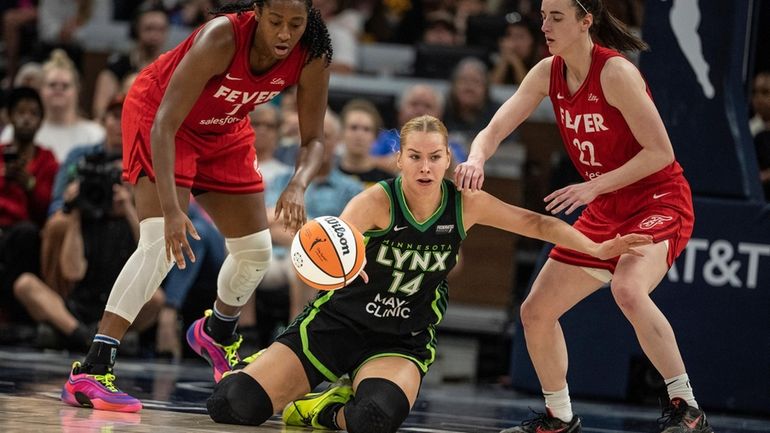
[
  {"x": 679, "y": 387},
  {"x": 559, "y": 404}
]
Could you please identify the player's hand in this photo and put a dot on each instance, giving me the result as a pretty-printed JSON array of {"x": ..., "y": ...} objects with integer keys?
[
  {"x": 622, "y": 245},
  {"x": 469, "y": 175},
  {"x": 570, "y": 198},
  {"x": 176, "y": 225},
  {"x": 291, "y": 204}
]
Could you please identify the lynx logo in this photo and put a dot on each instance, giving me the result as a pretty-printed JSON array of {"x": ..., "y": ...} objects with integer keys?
[
  {"x": 654, "y": 220},
  {"x": 444, "y": 229}
]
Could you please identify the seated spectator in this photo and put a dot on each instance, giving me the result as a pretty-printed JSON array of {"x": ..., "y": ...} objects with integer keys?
[
  {"x": 149, "y": 30},
  {"x": 327, "y": 194},
  {"x": 517, "y": 51},
  {"x": 26, "y": 180},
  {"x": 440, "y": 29},
  {"x": 18, "y": 18},
  {"x": 266, "y": 121},
  {"x": 762, "y": 145},
  {"x": 63, "y": 128},
  {"x": 414, "y": 101},
  {"x": 30, "y": 75},
  {"x": 344, "y": 39},
  {"x": 760, "y": 103},
  {"x": 360, "y": 123},
  {"x": 469, "y": 108}
]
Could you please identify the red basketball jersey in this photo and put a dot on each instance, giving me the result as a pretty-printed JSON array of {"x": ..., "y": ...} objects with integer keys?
[
  {"x": 227, "y": 98},
  {"x": 595, "y": 134}
]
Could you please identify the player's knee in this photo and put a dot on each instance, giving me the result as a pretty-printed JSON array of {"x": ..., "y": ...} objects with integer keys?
[
  {"x": 626, "y": 296},
  {"x": 245, "y": 266},
  {"x": 24, "y": 285},
  {"x": 533, "y": 315},
  {"x": 379, "y": 406},
  {"x": 239, "y": 399}
]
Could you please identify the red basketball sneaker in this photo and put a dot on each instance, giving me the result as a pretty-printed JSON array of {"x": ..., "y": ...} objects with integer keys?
[
  {"x": 678, "y": 417},
  {"x": 546, "y": 423},
  {"x": 222, "y": 358}
]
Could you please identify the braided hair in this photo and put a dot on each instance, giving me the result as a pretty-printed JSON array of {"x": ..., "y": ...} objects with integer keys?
[{"x": 316, "y": 37}]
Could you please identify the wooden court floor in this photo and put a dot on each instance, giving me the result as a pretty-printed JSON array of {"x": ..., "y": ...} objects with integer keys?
[{"x": 174, "y": 401}]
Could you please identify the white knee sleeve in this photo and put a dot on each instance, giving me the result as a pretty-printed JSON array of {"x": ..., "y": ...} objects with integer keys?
[
  {"x": 142, "y": 273},
  {"x": 244, "y": 267}
]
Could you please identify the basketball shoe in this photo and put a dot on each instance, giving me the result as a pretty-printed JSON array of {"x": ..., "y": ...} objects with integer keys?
[
  {"x": 304, "y": 411},
  {"x": 221, "y": 358},
  {"x": 546, "y": 423},
  {"x": 97, "y": 391},
  {"x": 678, "y": 417}
]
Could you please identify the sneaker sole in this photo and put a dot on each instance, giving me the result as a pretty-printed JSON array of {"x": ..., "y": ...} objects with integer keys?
[{"x": 79, "y": 399}]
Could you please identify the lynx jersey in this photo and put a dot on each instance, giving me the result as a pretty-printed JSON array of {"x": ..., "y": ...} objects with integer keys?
[
  {"x": 227, "y": 98},
  {"x": 596, "y": 136},
  {"x": 407, "y": 264}
]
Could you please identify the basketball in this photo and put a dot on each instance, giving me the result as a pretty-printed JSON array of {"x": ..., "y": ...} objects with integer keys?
[{"x": 327, "y": 253}]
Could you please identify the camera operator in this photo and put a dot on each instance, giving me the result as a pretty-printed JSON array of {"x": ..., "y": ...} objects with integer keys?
[
  {"x": 87, "y": 241},
  {"x": 26, "y": 180}
]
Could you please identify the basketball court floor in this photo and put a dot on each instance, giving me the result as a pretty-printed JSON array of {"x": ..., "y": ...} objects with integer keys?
[{"x": 174, "y": 401}]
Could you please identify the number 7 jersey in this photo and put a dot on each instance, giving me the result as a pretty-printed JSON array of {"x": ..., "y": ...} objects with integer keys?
[{"x": 596, "y": 136}]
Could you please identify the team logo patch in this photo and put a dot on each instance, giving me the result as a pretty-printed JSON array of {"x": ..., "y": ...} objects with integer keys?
[
  {"x": 444, "y": 229},
  {"x": 278, "y": 82},
  {"x": 654, "y": 220}
]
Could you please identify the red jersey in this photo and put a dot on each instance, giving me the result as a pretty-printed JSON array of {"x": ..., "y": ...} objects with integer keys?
[
  {"x": 595, "y": 134},
  {"x": 227, "y": 98},
  {"x": 598, "y": 140}
]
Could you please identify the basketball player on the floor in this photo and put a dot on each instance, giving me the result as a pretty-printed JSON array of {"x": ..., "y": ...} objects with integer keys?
[
  {"x": 616, "y": 139},
  {"x": 383, "y": 333},
  {"x": 185, "y": 128}
]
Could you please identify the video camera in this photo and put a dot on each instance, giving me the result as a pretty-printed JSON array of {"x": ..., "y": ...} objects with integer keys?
[{"x": 97, "y": 174}]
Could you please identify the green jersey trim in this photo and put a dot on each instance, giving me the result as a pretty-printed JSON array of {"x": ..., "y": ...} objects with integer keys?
[
  {"x": 425, "y": 225},
  {"x": 423, "y": 364},
  {"x": 459, "y": 214},
  {"x": 305, "y": 342},
  {"x": 386, "y": 230}
]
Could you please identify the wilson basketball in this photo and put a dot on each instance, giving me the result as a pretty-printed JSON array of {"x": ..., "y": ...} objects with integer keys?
[{"x": 327, "y": 253}]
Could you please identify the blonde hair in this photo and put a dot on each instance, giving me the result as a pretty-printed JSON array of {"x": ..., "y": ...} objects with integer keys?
[
  {"x": 424, "y": 123},
  {"x": 60, "y": 60}
]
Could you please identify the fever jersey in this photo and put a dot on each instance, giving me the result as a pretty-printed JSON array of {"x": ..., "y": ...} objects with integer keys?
[
  {"x": 596, "y": 136},
  {"x": 407, "y": 264},
  {"x": 227, "y": 98}
]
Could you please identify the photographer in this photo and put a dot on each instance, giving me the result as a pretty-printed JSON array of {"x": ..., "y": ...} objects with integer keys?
[
  {"x": 26, "y": 179},
  {"x": 86, "y": 242}
]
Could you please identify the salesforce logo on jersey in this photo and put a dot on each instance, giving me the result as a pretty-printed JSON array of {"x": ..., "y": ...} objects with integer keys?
[{"x": 721, "y": 262}]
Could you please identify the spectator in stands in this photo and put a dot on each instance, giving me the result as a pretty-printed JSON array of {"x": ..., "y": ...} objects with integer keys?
[
  {"x": 58, "y": 22},
  {"x": 26, "y": 179},
  {"x": 469, "y": 108},
  {"x": 192, "y": 13},
  {"x": 440, "y": 29},
  {"x": 344, "y": 39},
  {"x": 63, "y": 128},
  {"x": 413, "y": 102},
  {"x": 101, "y": 230},
  {"x": 360, "y": 123},
  {"x": 762, "y": 145},
  {"x": 760, "y": 103},
  {"x": 327, "y": 194},
  {"x": 19, "y": 18},
  {"x": 266, "y": 121},
  {"x": 518, "y": 51},
  {"x": 29, "y": 75},
  {"x": 465, "y": 9},
  {"x": 149, "y": 30}
]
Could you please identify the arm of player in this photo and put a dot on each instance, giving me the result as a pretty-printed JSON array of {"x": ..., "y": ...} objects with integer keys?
[
  {"x": 625, "y": 89},
  {"x": 312, "y": 94},
  {"x": 480, "y": 207},
  {"x": 368, "y": 210},
  {"x": 470, "y": 174},
  {"x": 210, "y": 55}
]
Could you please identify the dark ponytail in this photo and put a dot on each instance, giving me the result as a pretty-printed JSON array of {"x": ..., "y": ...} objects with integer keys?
[
  {"x": 316, "y": 37},
  {"x": 608, "y": 30}
]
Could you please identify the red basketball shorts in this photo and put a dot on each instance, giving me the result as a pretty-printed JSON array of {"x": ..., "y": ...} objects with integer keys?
[
  {"x": 664, "y": 212},
  {"x": 224, "y": 163}
]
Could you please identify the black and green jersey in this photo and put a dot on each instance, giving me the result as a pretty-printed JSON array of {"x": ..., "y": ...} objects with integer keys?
[{"x": 407, "y": 264}]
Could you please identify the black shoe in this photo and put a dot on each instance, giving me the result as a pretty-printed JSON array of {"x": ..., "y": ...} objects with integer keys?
[
  {"x": 678, "y": 417},
  {"x": 546, "y": 423}
]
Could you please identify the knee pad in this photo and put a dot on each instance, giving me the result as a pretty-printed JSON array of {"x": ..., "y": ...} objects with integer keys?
[
  {"x": 379, "y": 406},
  {"x": 142, "y": 273},
  {"x": 239, "y": 399},
  {"x": 244, "y": 267}
]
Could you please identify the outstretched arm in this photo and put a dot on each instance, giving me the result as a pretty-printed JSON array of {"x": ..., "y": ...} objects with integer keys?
[
  {"x": 368, "y": 210},
  {"x": 470, "y": 174},
  {"x": 312, "y": 94},
  {"x": 482, "y": 208}
]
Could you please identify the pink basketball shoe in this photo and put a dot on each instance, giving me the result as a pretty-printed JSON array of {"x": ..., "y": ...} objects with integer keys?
[
  {"x": 97, "y": 391},
  {"x": 221, "y": 358}
]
